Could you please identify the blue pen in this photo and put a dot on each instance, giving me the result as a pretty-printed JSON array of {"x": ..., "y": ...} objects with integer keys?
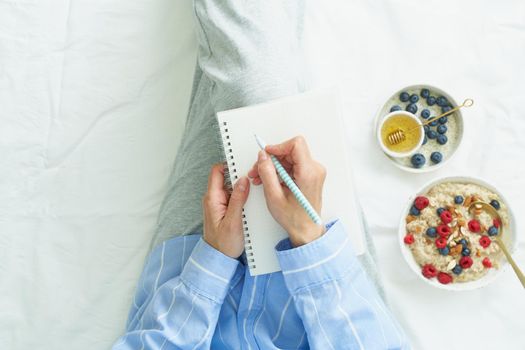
[{"x": 291, "y": 185}]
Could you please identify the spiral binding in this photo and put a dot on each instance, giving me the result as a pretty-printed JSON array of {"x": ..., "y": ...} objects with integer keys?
[{"x": 230, "y": 175}]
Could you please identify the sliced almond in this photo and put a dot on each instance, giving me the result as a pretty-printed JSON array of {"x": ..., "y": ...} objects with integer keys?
[
  {"x": 467, "y": 202},
  {"x": 451, "y": 265}
]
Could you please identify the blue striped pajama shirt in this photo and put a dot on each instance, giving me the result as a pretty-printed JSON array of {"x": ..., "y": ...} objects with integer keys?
[{"x": 191, "y": 296}]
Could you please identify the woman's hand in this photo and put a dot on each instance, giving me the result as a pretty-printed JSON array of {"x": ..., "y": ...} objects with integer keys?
[
  {"x": 223, "y": 228},
  {"x": 308, "y": 174}
]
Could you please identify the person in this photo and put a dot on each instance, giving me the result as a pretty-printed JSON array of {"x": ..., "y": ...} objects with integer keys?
[{"x": 195, "y": 291}]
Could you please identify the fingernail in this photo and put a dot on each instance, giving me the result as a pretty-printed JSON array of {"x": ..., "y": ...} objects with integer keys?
[
  {"x": 263, "y": 155},
  {"x": 241, "y": 184}
]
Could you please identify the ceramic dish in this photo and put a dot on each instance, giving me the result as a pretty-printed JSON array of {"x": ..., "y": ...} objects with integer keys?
[
  {"x": 453, "y": 126},
  {"x": 486, "y": 276}
]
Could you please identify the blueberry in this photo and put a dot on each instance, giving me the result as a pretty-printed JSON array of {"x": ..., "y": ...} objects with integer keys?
[
  {"x": 431, "y": 100},
  {"x": 465, "y": 252},
  {"x": 431, "y": 232},
  {"x": 446, "y": 109},
  {"x": 444, "y": 251},
  {"x": 493, "y": 231},
  {"x": 425, "y": 140},
  {"x": 495, "y": 204},
  {"x": 404, "y": 96},
  {"x": 434, "y": 123},
  {"x": 418, "y": 160},
  {"x": 426, "y": 128},
  {"x": 436, "y": 157},
  {"x": 425, "y": 113},
  {"x": 414, "y": 98},
  {"x": 442, "y": 139},
  {"x": 425, "y": 93},
  {"x": 463, "y": 242},
  {"x": 395, "y": 108},
  {"x": 412, "y": 108},
  {"x": 443, "y": 120},
  {"x": 457, "y": 270},
  {"x": 414, "y": 211},
  {"x": 431, "y": 134},
  {"x": 442, "y": 129},
  {"x": 442, "y": 101},
  {"x": 440, "y": 210},
  {"x": 458, "y": 199}
]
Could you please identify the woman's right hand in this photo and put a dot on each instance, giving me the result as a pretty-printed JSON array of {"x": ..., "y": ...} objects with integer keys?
[{"x": 308, "y": 174}]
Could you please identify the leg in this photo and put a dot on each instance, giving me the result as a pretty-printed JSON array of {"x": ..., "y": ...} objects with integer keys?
[{"x": 252, "y": 57}]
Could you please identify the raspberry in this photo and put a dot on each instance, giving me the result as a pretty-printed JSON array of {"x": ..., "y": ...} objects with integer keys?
[
  {"x": 496, "y": 223},
  {"x": 429, "y": 271},
  {"x": 484, "y": 241},
  {"x": 465, "y": 262},
  {"x": 446, "y": 217},
  {"x": 409, "y": 239},
  {"x": 487, "y": 263},
  {"x": 421, "y": 202},
  {"x": 441, "y": 242},
  {"x": 444, "y": 278},
  {"x": 474, "y": 226},
  {"x": 443, "y": 231}
]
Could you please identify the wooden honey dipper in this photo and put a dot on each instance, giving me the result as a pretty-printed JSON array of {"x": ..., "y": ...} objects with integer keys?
[{"x": 399, "y": 135}]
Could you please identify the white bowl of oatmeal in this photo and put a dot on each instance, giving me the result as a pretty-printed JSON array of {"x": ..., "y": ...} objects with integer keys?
[{"x": 449, "y": 246}]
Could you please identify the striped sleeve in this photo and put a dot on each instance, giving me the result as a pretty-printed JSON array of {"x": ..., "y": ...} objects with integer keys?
[
  {"x": 338, "y": 305},
  {"x": 183, "y": 311}
]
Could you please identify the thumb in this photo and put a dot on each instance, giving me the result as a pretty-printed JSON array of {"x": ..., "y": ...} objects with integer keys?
[
  {"x": 238, "y": 199},
  {"x": 272, "y": 187}
]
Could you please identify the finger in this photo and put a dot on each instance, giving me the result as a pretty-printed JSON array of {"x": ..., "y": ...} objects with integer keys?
[
  {"x": 295, "y": 149},
  {"x": 238, "y": 199},
  {"x": 216, "y": 180},
  {"x": 254, "y": 172},
  {"x": 270, "y": 179}
]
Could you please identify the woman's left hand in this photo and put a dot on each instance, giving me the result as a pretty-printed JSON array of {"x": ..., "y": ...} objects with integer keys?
[{"x": 223, "y": 228}]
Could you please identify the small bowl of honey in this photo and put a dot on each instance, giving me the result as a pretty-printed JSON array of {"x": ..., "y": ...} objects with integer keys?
[{"x": 411, "y": 128}]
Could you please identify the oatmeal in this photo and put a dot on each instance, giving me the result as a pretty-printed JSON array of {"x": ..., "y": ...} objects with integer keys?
[{"x": 450, "y": 242}]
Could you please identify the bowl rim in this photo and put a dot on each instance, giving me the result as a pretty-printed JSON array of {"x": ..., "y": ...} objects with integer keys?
[
  {"x": 476, "y": 284},
  {"x": 459, "y": 117}
]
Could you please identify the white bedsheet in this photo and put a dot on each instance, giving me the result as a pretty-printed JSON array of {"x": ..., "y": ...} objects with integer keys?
[{"x": 93, "y": 97}]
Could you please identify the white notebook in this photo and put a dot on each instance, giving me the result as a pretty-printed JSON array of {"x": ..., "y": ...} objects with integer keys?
[{"x": 316, "y": 116}]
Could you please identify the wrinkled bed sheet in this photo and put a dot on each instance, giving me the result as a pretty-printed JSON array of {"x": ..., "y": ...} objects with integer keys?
[{"x": 93, "y": 98}]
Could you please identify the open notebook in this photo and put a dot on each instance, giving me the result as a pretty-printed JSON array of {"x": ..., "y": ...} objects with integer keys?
[{"x": 316, "y": 116}]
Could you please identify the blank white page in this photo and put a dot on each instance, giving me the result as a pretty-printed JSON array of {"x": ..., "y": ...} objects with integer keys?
[{"x": 317, "y": 117}]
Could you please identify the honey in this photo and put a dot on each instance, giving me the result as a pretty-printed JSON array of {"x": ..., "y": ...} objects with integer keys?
[{"x": 408, "y": 125}]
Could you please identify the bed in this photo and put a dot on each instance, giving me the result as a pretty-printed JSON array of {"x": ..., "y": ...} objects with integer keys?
[{"x": 93, "y": 99}]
